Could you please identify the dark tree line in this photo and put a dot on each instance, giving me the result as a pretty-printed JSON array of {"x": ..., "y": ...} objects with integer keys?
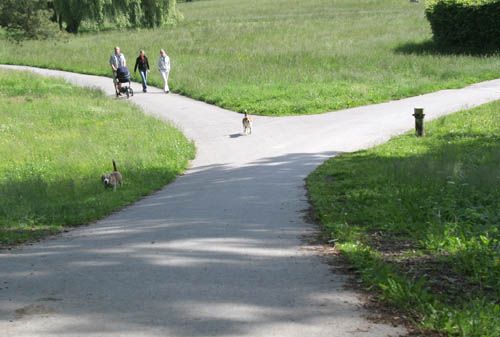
[
  {"x": 26, "y": 19},
  {"x": 39, "y": 18}
]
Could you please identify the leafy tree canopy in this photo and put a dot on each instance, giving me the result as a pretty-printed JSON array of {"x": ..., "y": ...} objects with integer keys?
[
  {"x": 138, "y": 13},
  {"x": 26, "y": 19},
  {"x": 35, "y": 19}
]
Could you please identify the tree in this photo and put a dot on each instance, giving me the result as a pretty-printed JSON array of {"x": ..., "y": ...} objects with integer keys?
[
  {"x": 149, "y": 13},
  {"x": 73, "y": 12},
  {"x": 139, "y": 13},
  {"x": 26, "y": 19},
  {"x": 30, "y": 18}
]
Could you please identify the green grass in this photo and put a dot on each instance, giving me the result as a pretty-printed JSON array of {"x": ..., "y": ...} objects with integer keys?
[
  {"x": 55, "y": 142},
  {"x": 420, "y": 219},
  {"x": 281, "y": 57}
]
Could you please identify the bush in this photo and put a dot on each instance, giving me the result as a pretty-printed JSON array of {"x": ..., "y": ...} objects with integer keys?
[{"x": 465, "y": 24}]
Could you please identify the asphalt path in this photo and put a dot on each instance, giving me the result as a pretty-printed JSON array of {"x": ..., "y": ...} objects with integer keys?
[{"x": 222, "y": 251}]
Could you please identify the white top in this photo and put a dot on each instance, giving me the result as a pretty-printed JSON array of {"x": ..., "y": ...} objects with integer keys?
[
  {"x": 117, "y": 61},
  {"x": 164, "y": 63}
]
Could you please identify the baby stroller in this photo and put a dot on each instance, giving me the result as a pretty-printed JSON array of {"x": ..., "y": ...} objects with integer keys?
[{"x": 123, "y": 77}]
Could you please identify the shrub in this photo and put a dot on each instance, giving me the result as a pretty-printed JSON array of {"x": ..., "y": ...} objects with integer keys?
[{"x": 465, "y": 24}]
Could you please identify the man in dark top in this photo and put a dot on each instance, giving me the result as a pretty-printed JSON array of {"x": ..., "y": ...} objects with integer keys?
[{"x": 143, "y": 65}]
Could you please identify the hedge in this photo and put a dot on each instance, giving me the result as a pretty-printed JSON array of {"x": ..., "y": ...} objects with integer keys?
[{"x": 465, "y": 24}]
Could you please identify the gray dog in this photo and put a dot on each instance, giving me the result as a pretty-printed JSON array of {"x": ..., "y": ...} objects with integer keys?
[{"x": 112, "y": 179}]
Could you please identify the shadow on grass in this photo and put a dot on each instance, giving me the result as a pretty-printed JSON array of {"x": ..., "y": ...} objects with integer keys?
[
  {"x": 408, "y": 188},
  {"x": 443, "y": 203},
  {"x": 429, "y": 47},
  {"x": 34, "y": 206},
  {"x": 428, "y": 210}
]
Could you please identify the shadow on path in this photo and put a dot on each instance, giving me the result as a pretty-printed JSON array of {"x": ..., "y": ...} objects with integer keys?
[{"x": 188, "y": 261}]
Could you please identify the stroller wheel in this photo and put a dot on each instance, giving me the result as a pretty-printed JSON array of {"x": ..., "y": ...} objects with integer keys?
[
  {"x": 128, "y": 93},
  {"x": 131, "y": 92}
]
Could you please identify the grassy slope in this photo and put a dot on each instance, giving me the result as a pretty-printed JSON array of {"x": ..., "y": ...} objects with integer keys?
[
  {"x": 281, "y": 57},
  {"x": 55, "y": 142},
  {"x": 424, "y": 209}
]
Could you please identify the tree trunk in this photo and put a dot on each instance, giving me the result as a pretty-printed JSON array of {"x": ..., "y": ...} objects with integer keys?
[{"x": 72, "y": 26}]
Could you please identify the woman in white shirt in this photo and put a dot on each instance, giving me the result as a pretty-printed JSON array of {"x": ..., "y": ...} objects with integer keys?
[{"x": 164, "y": 68}]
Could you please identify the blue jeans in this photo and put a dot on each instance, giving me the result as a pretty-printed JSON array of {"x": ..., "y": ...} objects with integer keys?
[{"x": 144, "y": 78}]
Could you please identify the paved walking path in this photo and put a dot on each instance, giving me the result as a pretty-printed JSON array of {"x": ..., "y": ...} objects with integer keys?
[{"x": 219, "y": 251}]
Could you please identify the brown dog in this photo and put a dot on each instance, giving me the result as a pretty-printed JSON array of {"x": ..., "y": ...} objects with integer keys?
[
  {"x": 247, "y": 125},
  {"x": 112, "y": 179}
]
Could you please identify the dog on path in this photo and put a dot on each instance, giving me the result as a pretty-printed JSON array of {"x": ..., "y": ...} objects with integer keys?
[{"x": 247, "y": 124}]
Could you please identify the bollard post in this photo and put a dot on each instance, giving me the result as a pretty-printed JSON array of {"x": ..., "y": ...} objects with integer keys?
[{"x": 419, "y": 121}]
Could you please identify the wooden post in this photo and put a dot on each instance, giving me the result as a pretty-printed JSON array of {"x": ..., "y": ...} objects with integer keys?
[{"x": 419, "y": 121}]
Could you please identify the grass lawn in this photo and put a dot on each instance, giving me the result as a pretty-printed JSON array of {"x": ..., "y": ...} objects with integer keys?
[
  {"x": 280, "y": 57},
  {"x": 55, "y": 142},
  {"x": 420, "y": 220}
]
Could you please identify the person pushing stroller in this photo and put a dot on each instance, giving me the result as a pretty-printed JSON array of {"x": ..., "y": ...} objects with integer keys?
[
  {"x": 123, "y": 84},
  {"x": 117, "y": 60}
]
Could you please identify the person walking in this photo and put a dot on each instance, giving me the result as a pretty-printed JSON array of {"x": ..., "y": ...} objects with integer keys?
[
  {"x": 117, "y": 60},
  {"x": 164, "y": 68},
  {"x": 142, "y": 63}
]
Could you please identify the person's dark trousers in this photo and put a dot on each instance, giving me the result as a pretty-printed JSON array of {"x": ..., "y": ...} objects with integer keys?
[{"x": 144, "y": 77}]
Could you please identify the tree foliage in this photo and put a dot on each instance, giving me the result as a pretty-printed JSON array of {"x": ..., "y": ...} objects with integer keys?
[
  {"x": 73, "y": 12},
  {"x": 26, "y": 19},
  {"x": 137, "y": 13},
  {"x": 31, "y": 19}
]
